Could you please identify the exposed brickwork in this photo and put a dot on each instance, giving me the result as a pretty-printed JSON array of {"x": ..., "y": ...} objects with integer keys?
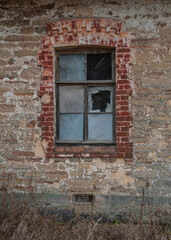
[{"x": 87, "y": 32}]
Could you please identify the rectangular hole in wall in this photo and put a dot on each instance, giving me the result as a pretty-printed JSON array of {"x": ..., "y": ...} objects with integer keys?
[{"x": 83, "y": 199}]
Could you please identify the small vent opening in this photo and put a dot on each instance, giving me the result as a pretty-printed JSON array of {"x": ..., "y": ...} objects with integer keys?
[{"x": 83, "y": 198}]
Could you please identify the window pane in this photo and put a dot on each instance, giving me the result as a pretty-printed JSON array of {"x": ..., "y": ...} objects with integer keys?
[
  {"x": 100, "y": 99},
  {"x": 99, "y": 66},
  {"x": 71, "y": 99},
  {"x": 100, "y": 127},
  {"x": 72, "y": 67},
  {"x": 71, "y": 127}
]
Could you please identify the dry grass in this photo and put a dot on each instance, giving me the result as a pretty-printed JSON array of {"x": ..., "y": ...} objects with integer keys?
[{"x": 21, "y": 222}]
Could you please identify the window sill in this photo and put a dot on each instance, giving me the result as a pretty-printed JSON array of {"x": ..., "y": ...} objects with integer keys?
[
  {"x": 93, "y": 151},
  {"x": 85, "y": 143},
  {"x": 86, "y": 151}
]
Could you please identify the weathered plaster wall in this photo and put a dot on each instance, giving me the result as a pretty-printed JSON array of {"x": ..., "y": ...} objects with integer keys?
[{"x": 22, "y": 151}]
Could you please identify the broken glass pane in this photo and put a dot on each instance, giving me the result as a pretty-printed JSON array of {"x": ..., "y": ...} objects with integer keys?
[
  {"x": 71, "y": 99},
  {"x": 72, "y": 67},
  {"x": 71, "y": 127},
  {"x": 99, "y": 66},
  {"x": 100, "y": 99},
  {"x": 100, "y": 127}
]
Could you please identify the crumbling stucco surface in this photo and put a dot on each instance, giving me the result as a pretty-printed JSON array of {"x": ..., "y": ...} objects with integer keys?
[{"x": 22, "y": 152}]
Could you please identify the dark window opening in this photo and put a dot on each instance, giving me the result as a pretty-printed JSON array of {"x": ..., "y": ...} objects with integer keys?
[
  {"x": 100, "y": 100},
  {"x": 99, "y": 66}
]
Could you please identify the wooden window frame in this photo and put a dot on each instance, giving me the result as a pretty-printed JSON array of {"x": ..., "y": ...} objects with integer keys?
[{"x": 86, "y": 84}]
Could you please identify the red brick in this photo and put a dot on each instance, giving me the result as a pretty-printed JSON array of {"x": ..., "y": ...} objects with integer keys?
[
  {"x": 123, "y": 124},
  {"x": 122, "y": 103},
  {"x": 46, "y": 78},
  {"x": 50, "y": 144},
  {"x": 120, "y": 155},
  {"x": 124, "y": 92},
  {"x": 41, "y": 119},
  {"x": 124, "y": 129},
  {"x": 124, "y": 108},
  {"x": 123, "y": 113},
  {"x": 123, "y": 81},
  {"x": 124, "y": 139},
  {"x": 59, "y": 149},
  {"x": 127, "y": 56},
  {"x": 45, "y": 124},
  {"x": 41, "y": 57},
  {"x": 15, "y": 160},
  {"x": 45, "y": 109},
  {"x": 49, "y": 149},
  {"x": 45, "y": 134},
  {"x": 126, "y": 150},
  {"x": 45, "y": 114},
  {"x": 118, "y": 119},
  {"x": 48, "y": 62},
  {"x": 129, "y": 119},
  {"x": 119, "y": 87},
  {"x": 49, "y": 155},
  {"x": 120, "y": 145},
  {"x": 77, "y": 155},
  {"x": 119, "y": 55},
  {"x": 77, "y": 149},
  {"x": 122, "y": 134},
  {"x": 47, "y": 104},
  {"x": 47, "y": 52},
  {"x": 108, "y": 149},
  {"x": 22, "y": 153},
  {"x": 127, "y": 87},
  {"x": 123, "y": 50},
  {"x": 103, "y": 155},
  {"x": 124, "y": 77},
  {"x": 129, "y": 155},
  {"x": 49, "y": 119}
]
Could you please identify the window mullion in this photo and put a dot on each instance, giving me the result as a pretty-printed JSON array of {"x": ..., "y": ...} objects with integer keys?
[
  {"x": 57, "y": 111},
  {"x": 85, "y": 107},
  {"x": 114, "y": 114},
  {"x": 57, "y": 98},
  {"x": 85, "y": 114},
  {"x": 113, "y": 62}
]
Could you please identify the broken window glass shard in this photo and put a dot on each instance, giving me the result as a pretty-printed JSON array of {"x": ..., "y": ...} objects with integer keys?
[
  {"x": 99, "y": 66},
  {"x": 71, "y": 127},
  {"x": 72, "y": 67},
  {"x": 100, "y": 127},
  {"x": 100, "y": 99}
]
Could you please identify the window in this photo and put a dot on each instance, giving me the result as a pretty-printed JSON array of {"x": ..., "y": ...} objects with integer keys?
[
  {"x": 85, "y": 92},
  {"x": 101, "y": 36}
]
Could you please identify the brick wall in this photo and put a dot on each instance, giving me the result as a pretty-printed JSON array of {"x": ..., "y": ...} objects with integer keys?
[{"x": 141, "y": 33}]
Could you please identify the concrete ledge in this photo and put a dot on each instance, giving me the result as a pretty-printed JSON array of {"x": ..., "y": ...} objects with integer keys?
[{"x": 106, "y": 207}]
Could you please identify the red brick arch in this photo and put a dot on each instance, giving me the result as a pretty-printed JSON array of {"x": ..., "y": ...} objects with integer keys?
[{"x": 87, "y": 32}]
